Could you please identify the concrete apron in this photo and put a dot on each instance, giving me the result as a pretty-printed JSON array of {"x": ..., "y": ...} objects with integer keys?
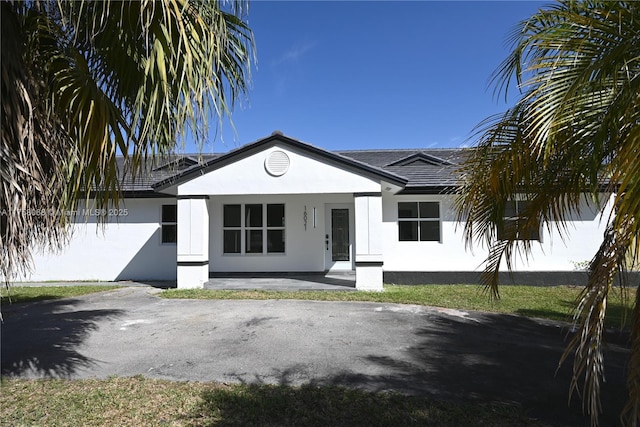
[{"x": 302, "y": 282}]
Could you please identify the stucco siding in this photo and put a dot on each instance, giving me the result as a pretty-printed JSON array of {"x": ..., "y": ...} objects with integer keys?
[
  {"x": 129, "y": 247},
  {"x": 451, "y": 254}
]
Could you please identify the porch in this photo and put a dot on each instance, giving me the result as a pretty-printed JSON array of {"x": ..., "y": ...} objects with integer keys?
[
  {"x": 343, "y": 281},
  {"x": 281, "y": 205}
]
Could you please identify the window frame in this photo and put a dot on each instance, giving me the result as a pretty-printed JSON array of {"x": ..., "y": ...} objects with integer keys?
[
  {"x": 164, "y": 224},
  {"x": 246, "y": 230},
  {"x": 500, "y": 230},
  {"x": 418, "y": 220}
]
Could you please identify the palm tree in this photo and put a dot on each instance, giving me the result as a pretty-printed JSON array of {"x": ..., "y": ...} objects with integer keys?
[
  {"x": 83, "y": 81},
  {"x": 573, "y": 135}
]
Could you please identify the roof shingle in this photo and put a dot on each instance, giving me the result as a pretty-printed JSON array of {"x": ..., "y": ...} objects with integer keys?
[{"x": 427, "y": 170}]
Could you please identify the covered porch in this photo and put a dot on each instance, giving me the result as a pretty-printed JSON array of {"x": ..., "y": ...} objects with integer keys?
[
  {"x": 345, "y": 281},
  {"x": 314, "y": 242}
]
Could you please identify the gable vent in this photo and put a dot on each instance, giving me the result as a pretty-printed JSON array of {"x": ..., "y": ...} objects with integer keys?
[{"x": 277, "y": 163}]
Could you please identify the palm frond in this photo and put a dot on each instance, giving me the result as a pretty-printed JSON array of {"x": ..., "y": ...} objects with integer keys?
[
  {"x": 572, "y": 140},
  {"x": 84, "y": 81}
]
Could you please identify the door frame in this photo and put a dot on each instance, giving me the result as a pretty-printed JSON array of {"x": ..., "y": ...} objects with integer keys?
[{"x": 330, "y": 265}]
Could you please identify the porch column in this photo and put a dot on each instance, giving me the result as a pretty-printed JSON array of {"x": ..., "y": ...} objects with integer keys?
[
  {"x": 368, "y": 261},
  {"x": 193, "y": 241}
]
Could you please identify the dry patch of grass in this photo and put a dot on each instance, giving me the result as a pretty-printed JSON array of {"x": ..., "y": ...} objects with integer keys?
[{"x": 148, "y": 402}]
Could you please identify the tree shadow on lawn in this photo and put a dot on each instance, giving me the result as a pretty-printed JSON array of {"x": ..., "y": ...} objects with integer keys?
[
  {"x": 40, "y": 339},
  {"x": 309, "y": 405},
  {"x": 617, "y": 313}
]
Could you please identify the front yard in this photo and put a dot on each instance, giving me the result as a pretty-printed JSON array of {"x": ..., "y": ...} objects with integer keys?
[{"x": 140, "y": 401}]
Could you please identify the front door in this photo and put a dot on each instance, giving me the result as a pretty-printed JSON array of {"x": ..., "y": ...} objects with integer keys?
[{"x": 339, "y": 237}]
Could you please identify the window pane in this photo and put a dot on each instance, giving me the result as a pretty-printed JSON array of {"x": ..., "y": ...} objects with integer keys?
[
  {"x": 169, "y": 233},
  {"x": 275, "y": 215},
  {"x": 253, "y": 244},
  {"x": 533, "y": 235},
  {"x": 507, "y": 230},
  {"x": 408, "y": 210},
  {"x": 231, "y": 243},
  {"x": 340, "y": 242},
  {"x": 523, "y": 205},
  {"x": 429, "y": 210},
  {"x": 169, "y": 213},
  {"x": 510, "y": 209},
  {"x": 408, "y": 231},
  {"x": 253, "y": 216},
  {"x": 231, "y": 216},
  {"x": 275, "y": 241},
  {"x": 429, "y": 231}
]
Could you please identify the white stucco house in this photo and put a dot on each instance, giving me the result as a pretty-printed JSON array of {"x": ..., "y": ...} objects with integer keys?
[{"x": 279, "y": 205}]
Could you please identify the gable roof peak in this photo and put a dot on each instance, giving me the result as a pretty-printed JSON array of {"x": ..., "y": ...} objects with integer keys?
[
  {"x": 277, "y": 139},
  {"x": 421, "y": 158}
]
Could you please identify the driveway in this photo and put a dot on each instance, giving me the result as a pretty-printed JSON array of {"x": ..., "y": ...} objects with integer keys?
[{"x": 447, "y": 354}]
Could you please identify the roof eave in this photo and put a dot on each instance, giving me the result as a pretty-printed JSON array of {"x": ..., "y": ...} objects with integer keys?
[{"x": 249, "y": 149}]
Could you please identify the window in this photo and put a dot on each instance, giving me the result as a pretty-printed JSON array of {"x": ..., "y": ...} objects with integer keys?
[
  {"x": 232, "y": 229},
  {"x": 419, "y": 221},
  {"x": 512, "y": 210},
  {"x": 169, "y": 223},
  {"x": 253, "y": 228},
  {"x": 275, "y": 228}
]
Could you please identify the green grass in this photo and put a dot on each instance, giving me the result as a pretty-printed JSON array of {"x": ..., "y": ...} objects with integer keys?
[
  {"x": 149, "y": 402},
  {"x": 555, "y": 302},
  {"x": 19, "y": 293}
]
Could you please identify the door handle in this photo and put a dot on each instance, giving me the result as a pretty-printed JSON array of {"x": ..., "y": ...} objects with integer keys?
[{"x": 326, "y": 241}]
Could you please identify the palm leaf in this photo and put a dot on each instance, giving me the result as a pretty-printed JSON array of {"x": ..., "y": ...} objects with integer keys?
[{"x": 572, "y": 141}]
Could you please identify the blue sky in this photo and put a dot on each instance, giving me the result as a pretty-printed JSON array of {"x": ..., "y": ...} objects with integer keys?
[{"x": 358, "y": 75}]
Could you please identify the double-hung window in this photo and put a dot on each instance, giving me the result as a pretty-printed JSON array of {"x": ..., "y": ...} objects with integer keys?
[
  {"x": 169, "y": 223},
  {"x": 253, "y": 228},
  {"x": 232, "y": 229},
  {"x": 513, "y": 210},
  {"x": 419, "y": 221}
]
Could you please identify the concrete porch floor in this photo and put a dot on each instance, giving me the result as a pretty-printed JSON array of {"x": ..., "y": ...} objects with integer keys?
[{"x": 284, "y": 281}]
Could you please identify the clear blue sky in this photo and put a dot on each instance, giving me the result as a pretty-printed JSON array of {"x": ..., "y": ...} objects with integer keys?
[{"x": 357, "y": 75}]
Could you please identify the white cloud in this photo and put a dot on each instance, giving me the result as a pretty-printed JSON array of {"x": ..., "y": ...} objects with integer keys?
[{"x": 294, "y": 53}]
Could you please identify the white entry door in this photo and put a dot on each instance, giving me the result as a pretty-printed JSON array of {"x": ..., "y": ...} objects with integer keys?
[{"x": 339, "y": 237}]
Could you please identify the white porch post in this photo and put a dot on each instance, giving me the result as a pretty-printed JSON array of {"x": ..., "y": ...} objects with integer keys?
[
  {"x": 368, "y": 216},
  {"x": 193, "y": 241}
]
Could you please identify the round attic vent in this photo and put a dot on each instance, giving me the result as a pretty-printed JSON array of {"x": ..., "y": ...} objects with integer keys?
[{"x": 277, "y": 164}]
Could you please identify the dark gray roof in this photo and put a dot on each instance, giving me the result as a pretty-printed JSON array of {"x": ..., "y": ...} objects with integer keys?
[
  {"x": 417, "y": 170},
  {"x": 427, "y": 170}
]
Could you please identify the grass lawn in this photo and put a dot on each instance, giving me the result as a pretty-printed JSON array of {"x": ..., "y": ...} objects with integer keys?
[
  {"x": 555, "y": 303},
  {"x": 149, "y": 402},
  {"x": 19, "y": 293}
]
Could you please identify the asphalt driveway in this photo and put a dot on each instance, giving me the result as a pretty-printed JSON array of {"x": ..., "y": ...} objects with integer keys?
[{"x": 447, "y": 354}]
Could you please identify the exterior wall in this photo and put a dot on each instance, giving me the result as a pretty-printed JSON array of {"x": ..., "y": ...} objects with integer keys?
[
  {"x": 305, "y": 175},
  {"x": 304, "y": 248},
  {"x": 451, "y": 254},
  {"x": 129, "y": 248}
]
